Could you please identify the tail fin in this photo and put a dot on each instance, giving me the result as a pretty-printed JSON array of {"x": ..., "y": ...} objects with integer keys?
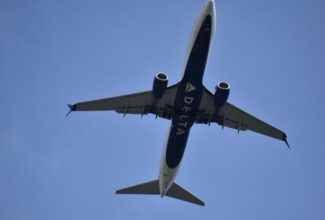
[{"x": 152, "y": 188}]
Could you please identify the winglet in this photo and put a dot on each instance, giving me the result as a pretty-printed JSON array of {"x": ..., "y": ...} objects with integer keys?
[
  {"x": 71, "y": 109},
  {"x": 285, "y": 140}
]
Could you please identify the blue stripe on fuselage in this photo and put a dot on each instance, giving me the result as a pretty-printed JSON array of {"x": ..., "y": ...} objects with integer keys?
[{"x": 188, "y": 95}]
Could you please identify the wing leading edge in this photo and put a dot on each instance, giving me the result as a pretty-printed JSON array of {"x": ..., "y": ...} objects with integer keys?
[{"x": 233, "y": 117}]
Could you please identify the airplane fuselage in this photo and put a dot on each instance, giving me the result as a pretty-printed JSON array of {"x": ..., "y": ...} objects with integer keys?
[
  {"x": 184, "y": 103},
  {"x": 188, "y": 97}
]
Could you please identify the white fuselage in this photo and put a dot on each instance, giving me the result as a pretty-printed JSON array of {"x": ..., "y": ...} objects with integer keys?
[{"x": 168, "y": 174}]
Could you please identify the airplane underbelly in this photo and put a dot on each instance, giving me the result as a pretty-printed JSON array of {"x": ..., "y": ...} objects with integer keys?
[
  {"x": 186, "y": 106},
  {"x": 176, "y": 145}
]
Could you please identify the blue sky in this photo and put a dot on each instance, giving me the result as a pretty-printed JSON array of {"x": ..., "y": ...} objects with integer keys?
[{"x": 57, "y": 52}]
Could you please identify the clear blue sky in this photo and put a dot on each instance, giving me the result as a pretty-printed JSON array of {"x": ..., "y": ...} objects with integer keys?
[{"x": 57, "y": 52}]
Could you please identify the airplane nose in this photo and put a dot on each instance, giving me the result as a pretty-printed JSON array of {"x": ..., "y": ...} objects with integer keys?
[{"x": 210, "y": 6}]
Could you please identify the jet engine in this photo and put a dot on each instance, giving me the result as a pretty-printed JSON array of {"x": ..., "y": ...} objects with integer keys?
[
  {"x": 160, "y": 83},
  {"x": 221, "y": 94}
]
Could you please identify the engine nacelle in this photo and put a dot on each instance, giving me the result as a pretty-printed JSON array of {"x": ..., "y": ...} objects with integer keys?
[
  {"x": 160, "y": 83},
  {"x": 221, "y": 94}
]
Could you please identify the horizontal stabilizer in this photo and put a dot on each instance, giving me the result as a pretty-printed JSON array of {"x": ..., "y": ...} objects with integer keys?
[
  {"x": 178, "y": 192},
  {"x": 151, "y": 187}
]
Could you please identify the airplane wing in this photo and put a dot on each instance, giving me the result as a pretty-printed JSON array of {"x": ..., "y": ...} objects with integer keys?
[
  {"x": 233, "y": 117},
  {"x": 137, "y": 103}
]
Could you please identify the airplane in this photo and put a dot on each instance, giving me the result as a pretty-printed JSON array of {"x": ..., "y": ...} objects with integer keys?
[{"x": 185, "y": 103}]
